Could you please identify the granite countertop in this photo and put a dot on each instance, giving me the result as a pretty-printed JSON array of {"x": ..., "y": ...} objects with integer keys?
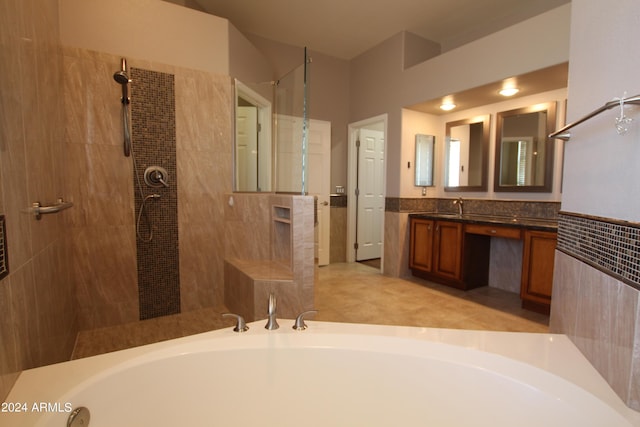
[{"x": 542, "y": 224}]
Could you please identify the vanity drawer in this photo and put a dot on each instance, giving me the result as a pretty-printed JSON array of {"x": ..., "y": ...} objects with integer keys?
[{"x": 493, "y": 231}]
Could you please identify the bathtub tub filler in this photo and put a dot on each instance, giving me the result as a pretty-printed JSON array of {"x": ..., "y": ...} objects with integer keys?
[{"x": 328, "y": 375}]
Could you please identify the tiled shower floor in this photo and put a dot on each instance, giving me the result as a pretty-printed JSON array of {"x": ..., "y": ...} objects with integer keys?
[{"x": 352, "y": 293}]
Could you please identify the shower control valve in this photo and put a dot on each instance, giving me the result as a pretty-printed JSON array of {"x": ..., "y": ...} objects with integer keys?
[{"x": 156, "y": 177}]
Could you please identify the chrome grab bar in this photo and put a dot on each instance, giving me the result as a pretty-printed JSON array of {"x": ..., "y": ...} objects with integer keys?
[{"x": 38, "y": 210}]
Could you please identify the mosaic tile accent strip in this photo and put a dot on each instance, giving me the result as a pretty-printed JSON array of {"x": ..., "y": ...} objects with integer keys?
[
  {"x": 154, "y": 144},
  {"x": 608, "y": 245},
  {"x": 4, "y": 261}
]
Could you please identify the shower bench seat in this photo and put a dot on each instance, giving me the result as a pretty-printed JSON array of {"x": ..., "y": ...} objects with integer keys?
[{"x": 248, "y": 283}]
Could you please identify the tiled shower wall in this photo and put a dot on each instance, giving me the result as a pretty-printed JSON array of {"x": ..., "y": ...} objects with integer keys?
[
  {"x": 37, "y": 301},
  {"x": 101, "y": 181}
]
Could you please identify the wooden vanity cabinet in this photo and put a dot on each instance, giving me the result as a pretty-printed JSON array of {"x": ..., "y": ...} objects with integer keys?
[
  {"x": 436, "y": 250},
  {"x": 447, "y": 250},
  {"x": 537, "y": 270},
  {"x": 457, "y": 254},
  {"x": 421, "y": 245}
]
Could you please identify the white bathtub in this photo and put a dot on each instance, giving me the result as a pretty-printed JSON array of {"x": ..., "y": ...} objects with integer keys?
[{"x": 328, "y": 375}]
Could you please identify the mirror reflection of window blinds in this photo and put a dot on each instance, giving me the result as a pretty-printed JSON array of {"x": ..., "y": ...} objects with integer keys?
[
  {"x": 454, "y": 163},
  {"x": 522, "y": 162}
]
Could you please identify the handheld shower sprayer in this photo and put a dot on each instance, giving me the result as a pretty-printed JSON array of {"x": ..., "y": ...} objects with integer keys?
[{"x": 122, "y": 78}]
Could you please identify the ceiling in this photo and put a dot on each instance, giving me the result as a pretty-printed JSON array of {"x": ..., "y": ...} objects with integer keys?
[
  {"x": 346, "y": 28},
  {"x": 544, "y": 80}
]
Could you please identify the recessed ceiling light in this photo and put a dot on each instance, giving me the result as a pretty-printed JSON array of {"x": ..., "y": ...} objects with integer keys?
[
  {"x": 509, "y": 91},
  {"x": 447, "y": 106}
]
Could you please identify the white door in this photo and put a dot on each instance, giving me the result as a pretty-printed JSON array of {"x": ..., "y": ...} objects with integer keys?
[
  {"x": 319, "y": 183},
  {"x": 370, "y": 199},
  {"x": 246, "y": 148}
]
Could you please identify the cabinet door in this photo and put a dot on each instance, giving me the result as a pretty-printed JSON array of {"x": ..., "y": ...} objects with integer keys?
[
  {"x": 537, "y": 267},
  {"x": 448, "y": 250},
  {"x": 421, "y": 241}
]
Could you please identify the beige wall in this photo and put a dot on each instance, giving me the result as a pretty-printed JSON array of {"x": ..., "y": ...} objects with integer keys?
[
  {"x": 415, "y": 122},
  {"x": 603, "y": 66},
  {"x": 246, "y": 62},
  {"x": 380, "y": 85},
  {"x": 155, "y": 30},
  {"x": 62, "y": 136},
  {"x": 329, "y": 94},
  {"x": 598, "y": 312},
  {"x": 195, "y": 47},
  {"x": 37, "y": 298}
]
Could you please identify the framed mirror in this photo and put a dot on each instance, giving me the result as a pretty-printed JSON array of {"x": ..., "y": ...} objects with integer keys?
[
  {"x": 467, "y": 154},
  {"x": 253, "y": 153},
  {"x": 425, "y": 145},
  {"x": 524, "y": 153}
]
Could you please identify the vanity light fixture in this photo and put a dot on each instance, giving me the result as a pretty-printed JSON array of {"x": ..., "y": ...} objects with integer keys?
[{"x": 509, "y": 91}]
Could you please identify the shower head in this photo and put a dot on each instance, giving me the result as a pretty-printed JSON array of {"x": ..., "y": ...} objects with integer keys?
[{"x": 121, "y": 77}]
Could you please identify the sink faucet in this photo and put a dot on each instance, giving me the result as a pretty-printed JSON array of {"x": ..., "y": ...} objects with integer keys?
[
  {"x": 459, "y": 202},
  {"x": 272, "y": 323}
]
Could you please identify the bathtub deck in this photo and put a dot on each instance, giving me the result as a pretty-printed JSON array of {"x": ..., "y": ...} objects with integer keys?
[
  {"x": 105, "y": 340},
  {"x": 351, "y": 293}
]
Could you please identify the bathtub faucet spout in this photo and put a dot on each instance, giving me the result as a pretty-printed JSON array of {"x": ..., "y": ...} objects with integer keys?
[
  {"x": 241, "y": 325},
  {"x": 272, "y": 323}
]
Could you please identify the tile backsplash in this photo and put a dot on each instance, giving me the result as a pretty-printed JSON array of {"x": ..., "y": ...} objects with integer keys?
[{"x": 533, "y": 209}]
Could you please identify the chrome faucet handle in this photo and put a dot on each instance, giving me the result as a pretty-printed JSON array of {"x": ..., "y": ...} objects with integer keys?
[
  {"x": 272, "y": 323},
  {"x": 241, "y": 325},
  {"x": 299, "y": 325}
]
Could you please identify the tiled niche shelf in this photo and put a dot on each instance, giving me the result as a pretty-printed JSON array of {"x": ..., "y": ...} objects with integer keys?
[{"x": 282, "y": 236}]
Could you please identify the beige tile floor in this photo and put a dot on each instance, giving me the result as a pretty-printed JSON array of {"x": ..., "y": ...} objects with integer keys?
[
  {"x": 352, "y": 293},
  {"x": 357, "y": 293}
]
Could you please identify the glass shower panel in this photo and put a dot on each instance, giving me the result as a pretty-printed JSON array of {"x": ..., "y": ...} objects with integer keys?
[{"x": 291, "y": 129}]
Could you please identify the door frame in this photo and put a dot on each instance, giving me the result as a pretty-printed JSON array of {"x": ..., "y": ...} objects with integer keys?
[
  {"x": 323, "y": 207},
  {"x": 265, "y": 137},
  {"x": 352, "y": 179}
]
